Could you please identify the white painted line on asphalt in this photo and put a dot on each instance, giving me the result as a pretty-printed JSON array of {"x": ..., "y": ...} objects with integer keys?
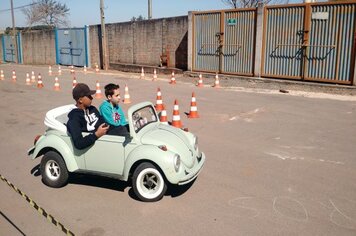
[{"x": 287, "y": 157}]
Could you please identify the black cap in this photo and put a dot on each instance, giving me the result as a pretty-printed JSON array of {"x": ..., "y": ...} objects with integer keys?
[{"x": 82, "y": 90}]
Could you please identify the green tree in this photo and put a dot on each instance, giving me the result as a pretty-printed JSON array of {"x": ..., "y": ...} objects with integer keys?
[{"x": 46, "y": 12}]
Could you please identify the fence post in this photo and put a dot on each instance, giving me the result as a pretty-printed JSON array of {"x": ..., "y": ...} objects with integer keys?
[
  {"x": 259, "y": 40},
  {"x": 87, "y": 46},
  {"x": 190, "y": 41},
  {"x": 19, "y": 48},
  {"x": 3, "y": 48},
  {"x": 56, "y": 46}
]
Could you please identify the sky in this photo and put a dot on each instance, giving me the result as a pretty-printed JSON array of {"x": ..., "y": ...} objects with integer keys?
[{"x": 87, "y": 12}]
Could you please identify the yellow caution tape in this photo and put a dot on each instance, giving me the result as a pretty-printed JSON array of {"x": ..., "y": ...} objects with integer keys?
[{"x": 38, "y": 208}]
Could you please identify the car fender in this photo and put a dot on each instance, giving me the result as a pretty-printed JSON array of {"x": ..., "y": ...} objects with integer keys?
[
  {"x": 55, "y": 142},
  {"x": 163, "y": 159}
]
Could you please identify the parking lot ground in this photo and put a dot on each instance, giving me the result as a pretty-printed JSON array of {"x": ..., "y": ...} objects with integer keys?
[{"x": 277, "y": 163}]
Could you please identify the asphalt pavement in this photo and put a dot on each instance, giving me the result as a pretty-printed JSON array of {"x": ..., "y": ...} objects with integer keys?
[{"x": 278, "y": 163}]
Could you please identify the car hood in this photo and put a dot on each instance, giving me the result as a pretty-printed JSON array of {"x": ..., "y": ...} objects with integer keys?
[{"x": 176, "y": 141}]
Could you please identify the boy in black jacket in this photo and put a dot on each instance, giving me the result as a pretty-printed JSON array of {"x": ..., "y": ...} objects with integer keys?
[{"x": 85, "y": 118}]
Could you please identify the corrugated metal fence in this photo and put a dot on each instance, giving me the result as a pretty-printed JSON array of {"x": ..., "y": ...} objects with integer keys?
[
  {"x": 72, "y": 46},
  {"x": 224, "y": 41},
  {"x": 9, "y": 51},
  {"x": 314, "y": 42}
]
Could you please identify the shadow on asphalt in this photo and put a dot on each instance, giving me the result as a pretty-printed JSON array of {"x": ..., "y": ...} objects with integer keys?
[
  {"x": 97, "y": 181},
  {"x": 178, "y": 190},
  {"x": 173, "y": 190},
  {"x": 88, "y": 179},
  {"x": 114, "y": 184}
]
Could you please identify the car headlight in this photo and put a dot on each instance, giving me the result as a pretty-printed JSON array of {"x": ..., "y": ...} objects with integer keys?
[
  {"x": 176, "y": 162},
  {"x": 196, "y": 143}
]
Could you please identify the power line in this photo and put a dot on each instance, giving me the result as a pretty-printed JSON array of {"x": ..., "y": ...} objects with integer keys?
[{"x": 20, "y": 7}]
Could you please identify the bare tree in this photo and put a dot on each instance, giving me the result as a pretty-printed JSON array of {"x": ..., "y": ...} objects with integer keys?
[
  {"x": 139, "y": 18},
  {"x": 251, "y": 3},
  {"x": 46, "y": 12}
]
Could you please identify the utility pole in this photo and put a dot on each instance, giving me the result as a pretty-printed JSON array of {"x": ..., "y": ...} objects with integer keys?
[
  {"x": 103, "y": 36},
  {"x": 14, "y": 31},
  {"x": 149, "y": 9}
]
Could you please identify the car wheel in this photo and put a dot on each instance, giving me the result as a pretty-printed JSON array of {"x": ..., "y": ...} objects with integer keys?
[
  {"x": 148, "y": 183},
  {"x": 53, "y": 170}
]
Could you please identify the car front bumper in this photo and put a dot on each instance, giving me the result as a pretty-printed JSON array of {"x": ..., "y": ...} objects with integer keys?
[{"x": 191, "y": 174}]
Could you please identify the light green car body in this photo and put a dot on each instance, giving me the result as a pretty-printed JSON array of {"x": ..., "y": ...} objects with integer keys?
[{"x": 117, "y": 156}]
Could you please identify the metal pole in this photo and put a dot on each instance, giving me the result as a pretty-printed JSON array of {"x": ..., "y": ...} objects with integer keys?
[
  {"x": 103, "y": 36},
  {"x": 14, "y": 30},
  {"x": 149, "y": 9}
]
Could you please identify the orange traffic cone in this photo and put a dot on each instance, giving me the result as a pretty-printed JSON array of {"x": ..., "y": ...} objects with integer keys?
[
  {"x": 28, "y": 80},
  {"x": 14, "y": 76},
  {"x": 74, "y": 82},
  {"x": 2, "y": 77},
  {"x": 193, "y": 108},
  {"x": 142, "y": 73},
  {"x": 176, "y": 117},
  {"x": 50, "y": 70},
  {"x": 98, "y": 90},
  {"x": 163, "y": 116},
  {"x": 59, "y": 70},
  {"x": 39, "y": 81},
  {"x": 96, "y": 68},
  {"x": 154, "y": 75},
  {"x": 56, "y": 85},
  {"x": 200, "y": 81},
  {"x": 33, "y": 77},
  {"x": 85, "y": 69},
  {"x": 127, "y": 95},
  {"x": 72, "y": 69},
  {"x": 217, "y": 83},
  {"x": 159, "y": 103},
  {"x": 173, "y": 79}
]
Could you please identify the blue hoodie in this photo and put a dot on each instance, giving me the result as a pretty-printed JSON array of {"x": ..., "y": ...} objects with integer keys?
[{"x": 113, "y": 115}]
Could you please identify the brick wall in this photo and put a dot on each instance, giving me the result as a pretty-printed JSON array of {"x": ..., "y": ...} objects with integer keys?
[
  {"x": 95, "y": 49},
  {"x": 144, "y": 42},
  {"x": 38, "y": 47},
  {"x": 140, "y": 42},
  {"x": 177, "y": 41}
]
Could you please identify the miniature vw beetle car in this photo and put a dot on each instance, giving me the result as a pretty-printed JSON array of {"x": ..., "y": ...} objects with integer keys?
[{"x": 154, "y": 155}]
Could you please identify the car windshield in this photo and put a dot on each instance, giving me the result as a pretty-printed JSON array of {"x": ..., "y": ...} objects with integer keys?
[{"x": 143, "y": 117}]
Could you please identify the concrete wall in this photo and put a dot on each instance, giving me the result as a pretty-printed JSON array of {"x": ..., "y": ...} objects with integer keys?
[
  {"x": 38, "y": 47},
  {"x": 140, "y": 42},
  {"x": 94, "y": 45},
  {"x": 143, "y": 42}
]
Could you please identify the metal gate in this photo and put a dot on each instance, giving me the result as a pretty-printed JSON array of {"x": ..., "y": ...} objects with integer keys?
[
  {"x": 9, "y": 48},
  {"x": 224, "y": 41},
  {"x": 312, "y": 42},
  {"x": 72, "y": 46}
]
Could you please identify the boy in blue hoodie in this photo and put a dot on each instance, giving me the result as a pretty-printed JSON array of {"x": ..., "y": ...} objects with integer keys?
[{"x": 112, "y": 112}]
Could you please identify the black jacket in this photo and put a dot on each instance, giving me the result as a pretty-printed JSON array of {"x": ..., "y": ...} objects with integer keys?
[{"x": 84, "y": 121}]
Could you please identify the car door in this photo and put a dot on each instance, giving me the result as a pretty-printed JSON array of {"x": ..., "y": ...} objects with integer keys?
[{"x": 107, "y": 155}]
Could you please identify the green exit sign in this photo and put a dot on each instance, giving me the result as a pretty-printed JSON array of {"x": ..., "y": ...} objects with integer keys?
[{"x": 231, "y": 21}]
